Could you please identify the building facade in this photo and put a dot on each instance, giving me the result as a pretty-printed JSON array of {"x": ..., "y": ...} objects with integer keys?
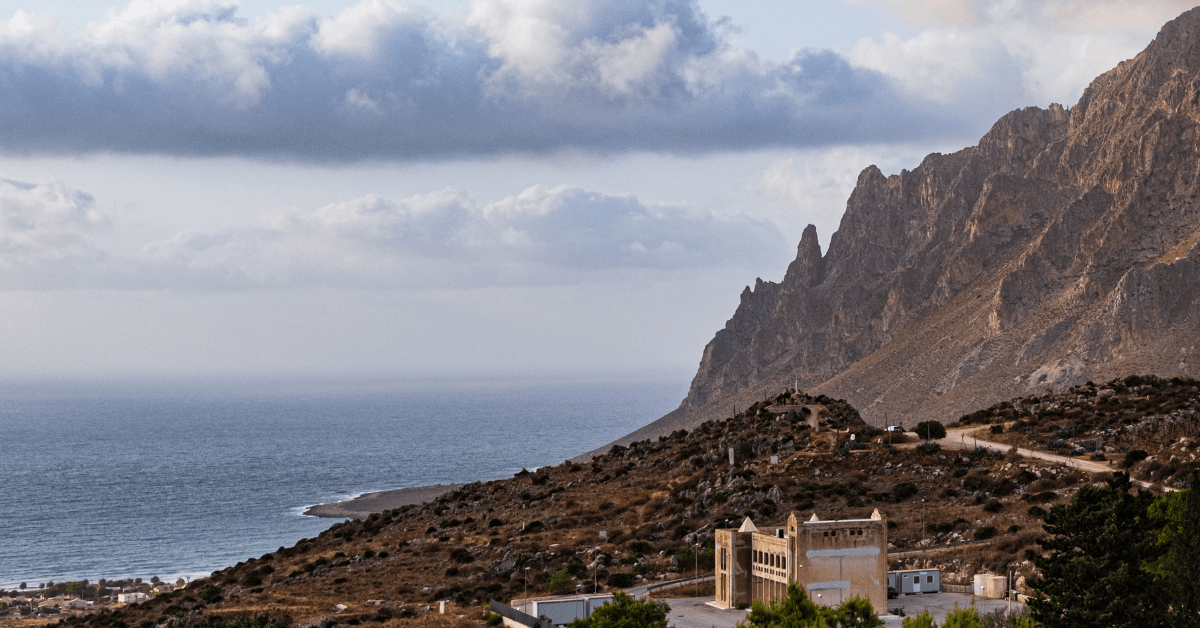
[{"x": 833, "y": 560}]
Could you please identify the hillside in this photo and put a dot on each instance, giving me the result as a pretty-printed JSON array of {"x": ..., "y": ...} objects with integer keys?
[
  {"x": 1147, "y": 424},
  {"x": 658, "y": 500},
  {"x": 1062, "y": 248}
]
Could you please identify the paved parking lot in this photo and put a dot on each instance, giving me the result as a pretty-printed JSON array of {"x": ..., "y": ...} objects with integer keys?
[{"x": 694, "y": 612}]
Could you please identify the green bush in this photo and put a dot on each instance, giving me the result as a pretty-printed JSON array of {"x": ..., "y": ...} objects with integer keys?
[
  {"x": 1134, "y": 457},
  {"x": 924, "y": 620},
  {"x": 577, "y": 569},
  {"x": 494, "y": 619},
  {"x": 798, "y": 611},
  {"x": 461, "y": 555},
  {"x": 962, "y": 618},
  {"x": 620, "y": 580},
  {"x": 210, "y": 593},
  {"x": 904, "y": 490},
  {"x": 1022, "y": 621},
  {"x": 560, "y": 582},
  {"x": 624, "y": 611},
  {"x": 931, "y": 429},
  {"x": 985, "y": 532},
  {"x": 993, "y": 506}
]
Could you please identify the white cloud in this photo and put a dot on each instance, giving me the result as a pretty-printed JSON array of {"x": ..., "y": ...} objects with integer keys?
[
  {"x": 164, "y": 39},
  {"x": 45, "y": 233},
  {"x": 561, "y": 235},
  {"x": 386, "y": 79},
  {"x": 611, "y": 48},
  {"x": 1013, "y": 52},
  {"x": 361, "y": 30}
]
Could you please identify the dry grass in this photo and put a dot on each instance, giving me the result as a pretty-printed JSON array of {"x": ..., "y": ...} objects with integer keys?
[{"x": 691, "y": 589}]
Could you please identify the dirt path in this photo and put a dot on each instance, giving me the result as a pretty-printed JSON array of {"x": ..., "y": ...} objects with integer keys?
[{"x": 956, "y": 438}]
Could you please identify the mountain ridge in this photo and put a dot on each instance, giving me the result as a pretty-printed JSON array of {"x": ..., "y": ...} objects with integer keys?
[{"x": 1060, "y": 248}]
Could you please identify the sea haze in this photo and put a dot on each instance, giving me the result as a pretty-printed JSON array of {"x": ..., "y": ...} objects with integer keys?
[{"x": 141, "y": 480}]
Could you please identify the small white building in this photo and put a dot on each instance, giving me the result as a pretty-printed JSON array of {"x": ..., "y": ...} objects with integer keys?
[
  {"x": 77, "y": 604},
  {"x": 132, "y": 598}
]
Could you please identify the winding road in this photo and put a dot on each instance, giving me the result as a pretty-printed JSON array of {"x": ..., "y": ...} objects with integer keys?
[{"x": 956, "y": 438}]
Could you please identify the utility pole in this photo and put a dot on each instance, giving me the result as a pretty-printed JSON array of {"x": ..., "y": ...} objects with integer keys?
[{"x": 1010, "y": 592}]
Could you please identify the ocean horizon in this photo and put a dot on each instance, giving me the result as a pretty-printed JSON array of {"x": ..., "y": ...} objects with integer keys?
[{"x": 140, "y": 478}]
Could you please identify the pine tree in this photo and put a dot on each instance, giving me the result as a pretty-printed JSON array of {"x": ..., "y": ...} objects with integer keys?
[
  {"x": 1093, "y": 574},
  {"x": 1179, "y": 566}
]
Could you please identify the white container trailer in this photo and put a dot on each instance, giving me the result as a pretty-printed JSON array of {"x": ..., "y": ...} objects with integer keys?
[{"x": 915, "y": 581}]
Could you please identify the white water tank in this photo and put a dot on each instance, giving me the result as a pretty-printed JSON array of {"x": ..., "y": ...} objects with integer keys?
[{"x": 978, "y": 586}]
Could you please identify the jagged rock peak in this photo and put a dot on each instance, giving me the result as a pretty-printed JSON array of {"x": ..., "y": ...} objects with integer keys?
[
  {"x": 809, "y": 267},
  {"x": 1064, "y": 246},
  {"x": 809, "y": 248}
]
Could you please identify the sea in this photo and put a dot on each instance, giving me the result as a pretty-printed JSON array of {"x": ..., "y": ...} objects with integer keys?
[{"x": 178, "y": 479}]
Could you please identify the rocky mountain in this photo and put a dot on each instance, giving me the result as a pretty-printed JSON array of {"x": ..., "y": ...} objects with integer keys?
[{"x": 1061, "y": 248}]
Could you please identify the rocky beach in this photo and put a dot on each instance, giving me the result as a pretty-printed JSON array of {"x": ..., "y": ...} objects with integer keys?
[{"x": 363, "y": 506}]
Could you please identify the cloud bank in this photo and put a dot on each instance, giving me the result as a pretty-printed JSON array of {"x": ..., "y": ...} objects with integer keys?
[
  {"x": 53, "y": 237},
  {"x": 385, "y": 79},
  {"x": 977, "y": 52}
]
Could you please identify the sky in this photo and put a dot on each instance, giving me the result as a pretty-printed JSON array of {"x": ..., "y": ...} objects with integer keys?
[{"x": 450, "y": 188}]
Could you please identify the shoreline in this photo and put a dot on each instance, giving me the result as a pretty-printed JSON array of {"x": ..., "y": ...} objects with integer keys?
[{"x": 367, "y": 504}]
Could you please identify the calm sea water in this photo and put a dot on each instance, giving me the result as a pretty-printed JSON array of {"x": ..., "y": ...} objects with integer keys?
[{"x": 139, "y": 480}]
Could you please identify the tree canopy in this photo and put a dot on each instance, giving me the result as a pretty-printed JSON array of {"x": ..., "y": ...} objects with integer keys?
[
  {"x": 625, "y": 612},
  {"x": 1094, "y": 572},
  {"x": 798, "y": 611},
  {"x": 931, "y": 429},
  {"x": 1178, "y": 567}
]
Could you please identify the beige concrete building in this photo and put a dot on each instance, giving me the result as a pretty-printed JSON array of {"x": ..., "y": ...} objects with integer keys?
[{"x": 833, "y": 560}]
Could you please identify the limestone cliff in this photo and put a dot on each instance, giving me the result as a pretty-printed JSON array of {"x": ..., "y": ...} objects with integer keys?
[{"x": 1063, "y": 247}]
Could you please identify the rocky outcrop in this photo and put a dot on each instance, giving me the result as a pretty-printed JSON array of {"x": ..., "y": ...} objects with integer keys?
[{"x": 1063, "y": 247}]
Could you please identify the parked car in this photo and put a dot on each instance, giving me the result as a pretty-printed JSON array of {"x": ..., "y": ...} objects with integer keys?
[{"x": 895, "y": 429}]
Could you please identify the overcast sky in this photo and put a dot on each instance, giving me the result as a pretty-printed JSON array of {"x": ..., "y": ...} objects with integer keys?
[{"x": 446, "y": 188}]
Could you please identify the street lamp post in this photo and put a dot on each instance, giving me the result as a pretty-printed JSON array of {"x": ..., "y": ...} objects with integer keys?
[
  {"x": 526, "y": 574},
  {"x": 697, "y": 574}
]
